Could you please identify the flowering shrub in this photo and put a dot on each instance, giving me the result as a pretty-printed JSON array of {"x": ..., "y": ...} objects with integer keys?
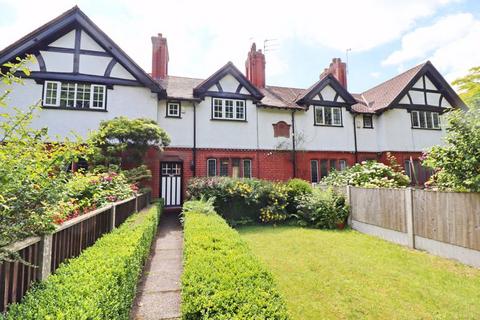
[
  {"x": 253, "y": 200},
  {"x": 85, "y": 192},
  {"x": 368, "y": 174}
]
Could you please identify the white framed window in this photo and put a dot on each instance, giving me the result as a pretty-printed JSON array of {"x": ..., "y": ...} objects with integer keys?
[
  {"x": 211, "y": 167},
  {"x": 342, "y": 164},
  {"x": 173, "y": 109},
  {"x": 368, "y": 121},
  {"x": 51, "y": 93},
  {"x": 425, "y": 120},
  {"x": 328, "y": 116},
  {"x": 228, "y": 109},
  {"x": 74, "y": 95},
  {"x": 247, "y": 168}
]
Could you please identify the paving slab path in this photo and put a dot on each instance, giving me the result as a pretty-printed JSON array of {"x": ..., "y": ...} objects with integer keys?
[{"x": 158, "y": 294}]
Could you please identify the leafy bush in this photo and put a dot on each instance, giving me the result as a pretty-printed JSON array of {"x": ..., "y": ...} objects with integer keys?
[
  {"x": 100, "y": 283},
  {"x": 222, "y": 279},
  {"x": 368, "y": 174},
  {"x": 297, "y": 188},
  {"x": 84, "y": 192},
  {"x": 321, "y": 209}
]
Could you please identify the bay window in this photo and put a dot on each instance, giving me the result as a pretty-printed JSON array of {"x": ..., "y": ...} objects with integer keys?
[{"x": 74, "y": 95}]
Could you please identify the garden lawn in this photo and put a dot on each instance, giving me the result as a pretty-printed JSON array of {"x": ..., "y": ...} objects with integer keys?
[{"x": 349, "y": 275}]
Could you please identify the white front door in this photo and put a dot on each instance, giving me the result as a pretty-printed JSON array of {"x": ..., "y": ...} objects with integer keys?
[{"x": 171, "y": 183}]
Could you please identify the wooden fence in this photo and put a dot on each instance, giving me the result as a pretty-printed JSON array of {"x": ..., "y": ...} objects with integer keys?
[
  {"x": 45, "y": 254},
  {"x": 444, "y": 223}
]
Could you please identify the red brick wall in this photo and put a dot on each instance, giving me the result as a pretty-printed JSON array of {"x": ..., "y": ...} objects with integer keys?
[{"x": 266, "y": 164}]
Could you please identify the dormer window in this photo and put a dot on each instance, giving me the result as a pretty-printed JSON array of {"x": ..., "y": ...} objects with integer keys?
[
  {"x": 228, "y": 109},
  {"x": 69, "y": 95},
  {"x": 328, "y": 116},
  {"x": 173, "y": 110}
]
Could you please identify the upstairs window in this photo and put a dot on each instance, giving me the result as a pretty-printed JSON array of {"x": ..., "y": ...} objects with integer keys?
[
  {"x": 425, "y": 120},
  {"x": 228, "y": 109},
  {"x": 173, "y": 110},
  {"x": 74, "y": 95},
  {"x": 367, "y": 121},
  {"x": 328, "y": 116}
]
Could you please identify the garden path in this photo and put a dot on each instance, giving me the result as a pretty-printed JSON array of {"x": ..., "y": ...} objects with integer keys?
[{"x": 158, "y": 295}]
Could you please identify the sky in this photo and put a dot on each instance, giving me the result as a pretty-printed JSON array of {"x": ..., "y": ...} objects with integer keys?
[{"x": 378, "y": 38}]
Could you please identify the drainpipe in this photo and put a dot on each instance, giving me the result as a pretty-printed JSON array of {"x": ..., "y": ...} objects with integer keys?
[
  {"x": 355, "y": 136},
  {"x": 194, "y": 151},
  {"x": 294, "y": 155}
]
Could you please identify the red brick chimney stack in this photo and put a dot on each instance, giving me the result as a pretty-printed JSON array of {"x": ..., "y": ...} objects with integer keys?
[
  {"x": 159, "y": 57},
  {"x": 255, "y": 67},
  {"x": 338, "y": 69}
]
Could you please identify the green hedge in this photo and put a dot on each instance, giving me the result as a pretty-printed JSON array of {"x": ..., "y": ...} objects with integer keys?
[
  {"x": 100, "y": 283},
  {"x": 222, "y": 279}
]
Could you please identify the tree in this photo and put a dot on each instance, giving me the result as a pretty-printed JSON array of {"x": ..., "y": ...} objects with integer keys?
[
  {"x": 457, "y": 163},
  {"x": 127, "y": 139},
  {"x": 469, "y": 87}
]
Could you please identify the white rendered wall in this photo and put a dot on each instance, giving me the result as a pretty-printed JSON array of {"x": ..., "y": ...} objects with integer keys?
[
  {"x": 131, "y": 102},
  {"x": 266, "y": 118},
  {"x": 180, "y": 130}
]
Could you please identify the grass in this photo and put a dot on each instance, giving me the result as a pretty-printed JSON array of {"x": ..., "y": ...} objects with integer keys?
[{"x": 349, "y": 275}]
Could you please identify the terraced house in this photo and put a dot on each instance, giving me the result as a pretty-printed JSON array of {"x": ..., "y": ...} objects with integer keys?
[{"x": 232, "y": 123}]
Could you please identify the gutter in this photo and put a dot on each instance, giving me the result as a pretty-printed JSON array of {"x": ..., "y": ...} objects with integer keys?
[{"x": 355, "y": 136}]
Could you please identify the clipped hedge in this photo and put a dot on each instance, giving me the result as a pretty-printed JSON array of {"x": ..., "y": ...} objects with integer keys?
[
  {"x": 222, "y": 279},
  {"x": 100, "y": 283}
]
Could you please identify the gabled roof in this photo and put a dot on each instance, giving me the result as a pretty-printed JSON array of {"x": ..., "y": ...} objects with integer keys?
[
  {"x": 201, "y": 89},
  {"x": 389, "y": 93},
  {"x": 326, "y": 80},
  {"x": 69, "y": 20}
]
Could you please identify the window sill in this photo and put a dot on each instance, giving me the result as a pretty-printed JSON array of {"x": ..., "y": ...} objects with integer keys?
[
  {"x": 173, "y": 117},
  {"x": 327, "y": 125},
  {"x": 367, "y": 128},
  {"x": 431, "y": 129},
  {"x": 74, "y": 109},
  {"x": 230, "y": 120}
]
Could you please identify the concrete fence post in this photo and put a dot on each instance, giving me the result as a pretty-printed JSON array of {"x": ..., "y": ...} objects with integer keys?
[
  {"x": 112, "y": 218},
  {"x": 409, "y": 217},
  {"x": 136, "y": 202},
  {"x": 348, "y": 194},
  {"x": 45, "y": 258}
]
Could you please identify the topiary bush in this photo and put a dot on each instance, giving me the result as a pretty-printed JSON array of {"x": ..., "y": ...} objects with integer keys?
[
  {"x": 100, "y": 283},
  {"x": 222, "y": 279},
  {"x": 368, "y": 174}
]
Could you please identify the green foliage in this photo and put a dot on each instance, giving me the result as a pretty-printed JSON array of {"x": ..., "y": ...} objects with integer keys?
[
  {"x": 470, "y": 87},
  {"x": 100, "y": 283},
  {"x": 457, "y": 163},
  {"x": 241, "y": 201},
  {"x": 368, "y": 174},
  {"x": 138, "y": 174},
  {"x": 31, "y": 174},
  {"x": 128, "y": 139},
  {"x": 321, "y": 209},
  {"x": 222, "y": 279}
]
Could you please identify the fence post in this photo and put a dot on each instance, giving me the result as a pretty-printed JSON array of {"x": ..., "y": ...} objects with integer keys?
[
  {"x": 349, "y": 202},
  {"x": 136, "y": 202},
  {"x": 45, "y": 258},
  {"x": 409, "y": 217},
  {"x": 112, "y": 219}
]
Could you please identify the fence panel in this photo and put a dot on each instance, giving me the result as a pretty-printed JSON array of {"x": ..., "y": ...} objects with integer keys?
[
  {"x": 449, "y": 217},
  {"x": 124, "y": 210},
  {"x": 142, "y": 201},
  {"x": 380, "y": 207},
  {"x": 73, "y": 237},
  {"x": 16, "y": 277}
]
